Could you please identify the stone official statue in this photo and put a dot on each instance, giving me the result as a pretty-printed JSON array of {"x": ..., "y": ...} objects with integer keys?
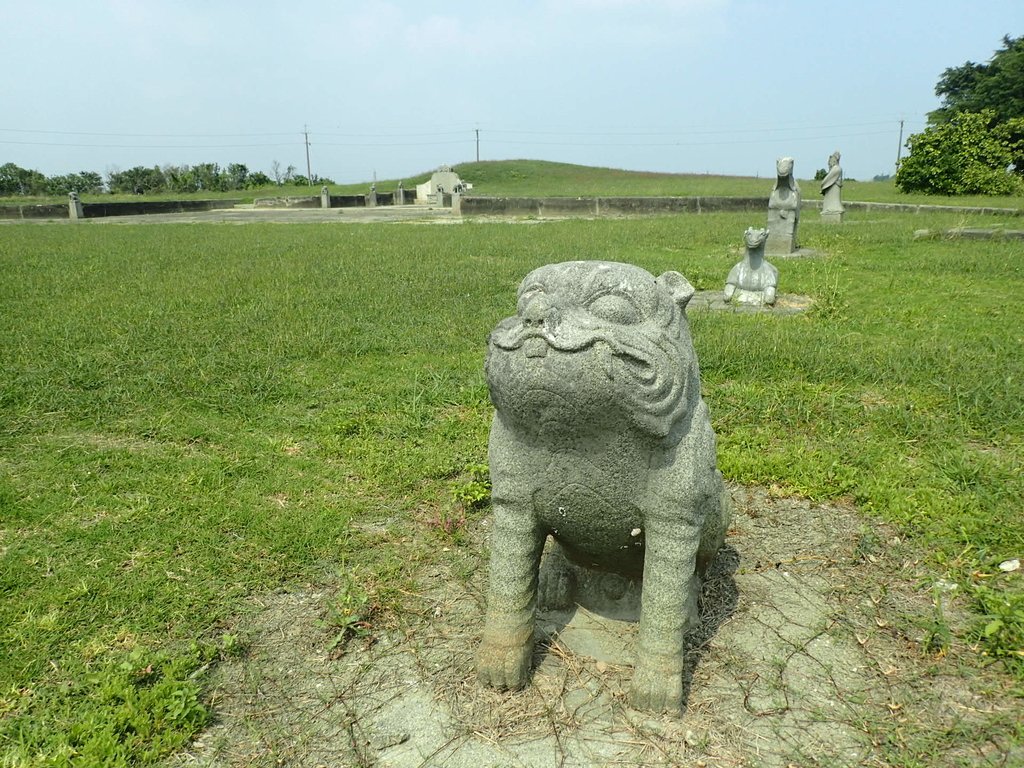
[
  {"x": 602, "y": 442},
  {"x": 831, "y": 187},
  {"x": 783, "y": 209}
]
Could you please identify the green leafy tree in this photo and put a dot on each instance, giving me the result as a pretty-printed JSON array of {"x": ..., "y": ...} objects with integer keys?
[
  {"x": 180, "y": 178},
  {"x": 964, "y": 156},
  {"x": 237, "y": 176},
  {"x": 258, "y": 179},
  {"x": 997, "y": 86},
  {"x": 209, "y": 177},
  {"x": 137, "y": 181},
  {"x": 15, "y": 180},
  {"x": 956, "y": 156},
  {"x": 87, "y": 182}
]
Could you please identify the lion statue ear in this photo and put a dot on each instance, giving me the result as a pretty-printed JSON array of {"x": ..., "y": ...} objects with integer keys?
[{"x": 678, "y": 288}]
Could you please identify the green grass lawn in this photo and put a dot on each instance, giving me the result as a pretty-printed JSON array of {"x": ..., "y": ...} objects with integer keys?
[{"x": 194, "y": 414}]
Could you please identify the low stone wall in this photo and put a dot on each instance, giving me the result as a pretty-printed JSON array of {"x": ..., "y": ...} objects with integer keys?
[
  {"x": 560, "y": 207},
  {"x": 310, "y": 201},
  {"x": 131, "y": 208},
  {"x": 99, "y": 210},
  {"x": 31, "y": 211},
  {"x": 337, "y": 201},
  {"x": 912, "y": 208},
  {"x": 541, "y": 207},
  {"x": 564, "y": 207}
]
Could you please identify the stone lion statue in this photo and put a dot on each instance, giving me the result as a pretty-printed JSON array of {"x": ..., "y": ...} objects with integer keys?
[{"x": 602, "y": 442}]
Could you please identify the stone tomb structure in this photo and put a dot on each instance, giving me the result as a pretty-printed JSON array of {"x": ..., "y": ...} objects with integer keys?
[
  {"x": 753, "y": 280},
  {"x": 443, "y": 181},
  {"x": 602, "y": 443},
  {"x": 831, "y": 187},
  {"x": 783, "y": 210}
]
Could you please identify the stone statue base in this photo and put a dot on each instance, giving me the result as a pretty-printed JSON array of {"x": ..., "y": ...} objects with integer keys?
[
  {"x": 742, "y": 296},
  {"x": 831, "y": 217},
  {"x": 779, "y": 245}
]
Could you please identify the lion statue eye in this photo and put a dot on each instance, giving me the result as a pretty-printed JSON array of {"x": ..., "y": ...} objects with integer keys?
[
  {"x": 615, "y": 308},
  {"x": 525, "y": 296}
]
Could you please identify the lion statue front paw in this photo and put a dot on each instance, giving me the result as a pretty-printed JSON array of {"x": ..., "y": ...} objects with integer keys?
[
  {"x": 504, "y": 667},
  {"x": 655, "y": 690}
]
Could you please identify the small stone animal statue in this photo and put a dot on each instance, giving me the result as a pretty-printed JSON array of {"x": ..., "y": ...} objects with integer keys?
[
  {"x": 601, "y": 441},
  {"x": 753, "y": 280}
]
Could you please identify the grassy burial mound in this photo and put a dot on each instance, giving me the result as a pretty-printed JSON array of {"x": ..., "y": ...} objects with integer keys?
[{"x": 196, "y": 418}]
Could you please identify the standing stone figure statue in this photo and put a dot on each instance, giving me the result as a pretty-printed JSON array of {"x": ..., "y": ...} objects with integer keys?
[
  {"x": 783, "y": 210},
  {"x": 831, "y": 186},
  {"x": 753, "y": 280},
  {"x": 602, "y": 442}
]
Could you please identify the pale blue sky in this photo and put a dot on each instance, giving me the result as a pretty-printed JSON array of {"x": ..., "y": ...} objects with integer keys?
[{"x": 396, "y": 88}]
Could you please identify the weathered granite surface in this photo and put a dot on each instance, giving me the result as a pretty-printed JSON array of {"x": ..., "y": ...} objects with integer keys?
[
  {"x": 75, "y": 210},
  {"x": 601, "y": 441},
  {"x": 783, "y": 210},
  {"x": 831, "y": 188},
  {"x": 753, "y": 280}
]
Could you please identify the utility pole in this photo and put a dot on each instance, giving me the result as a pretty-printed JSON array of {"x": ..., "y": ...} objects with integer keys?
[
  {"x": 309, "y": 169},
  {"x": 478, "y": 145},
  {"x": 899, "y": 148}
]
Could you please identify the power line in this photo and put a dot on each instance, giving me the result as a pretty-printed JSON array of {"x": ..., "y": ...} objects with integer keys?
[
  {"x": 690, "y": 131},
  {"x": 727, "y": 142},
  {"x": 507, "y": 141},
  {"x": 144, "y": 146},
  {"x": 143, "y": 135}
]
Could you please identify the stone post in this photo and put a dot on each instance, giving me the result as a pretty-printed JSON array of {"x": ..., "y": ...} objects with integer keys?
[
  {"x": 457, "y": 202},
  {"x": 371, "y": 199},
  {"x": 75, "y": 210},
  {"x": 400, "y": 195},
  {"x": 325, "y": 197}
]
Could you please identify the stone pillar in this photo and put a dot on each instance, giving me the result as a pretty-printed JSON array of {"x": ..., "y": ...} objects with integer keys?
[
  {"x": 325, "y": 197},
  {"x": 371, "y": 199},
  {"x": 75, "y": 211},
  {"x": 457, "y": 202},
  {"x": 400, "y": 195}
]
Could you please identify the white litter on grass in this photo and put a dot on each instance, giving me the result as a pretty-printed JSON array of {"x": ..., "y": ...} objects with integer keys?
[{"x": 1009, "y": 565}]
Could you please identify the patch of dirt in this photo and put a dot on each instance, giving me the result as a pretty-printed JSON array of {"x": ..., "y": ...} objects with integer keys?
[{"x": 811, "y": 652}]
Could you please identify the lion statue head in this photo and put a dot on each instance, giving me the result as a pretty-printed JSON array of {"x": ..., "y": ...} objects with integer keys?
[{"x": 595, "y": 343}]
